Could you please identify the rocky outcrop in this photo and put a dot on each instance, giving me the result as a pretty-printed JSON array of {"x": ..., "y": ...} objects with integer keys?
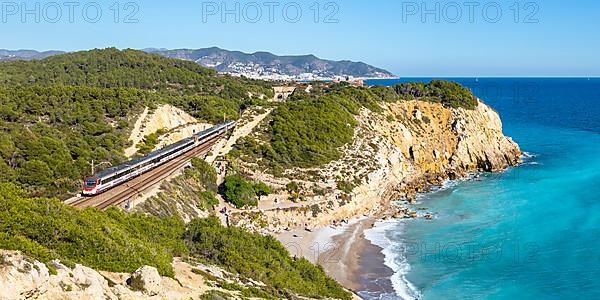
[
  {"x": 481, "y": 144},
  {"x": 20, "y": 278},
  {"x": 24, "y": 278},
  {"x": 147, "y": 280},
  {"x": 176, "y": 123},
  {"x": 395, "y": 154},
  {"x": 448, "y": 142}
]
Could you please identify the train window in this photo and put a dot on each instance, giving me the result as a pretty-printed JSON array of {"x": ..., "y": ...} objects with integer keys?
[
  {"x": 144, "y": 164},
  {"x": 90, "y": 182}
]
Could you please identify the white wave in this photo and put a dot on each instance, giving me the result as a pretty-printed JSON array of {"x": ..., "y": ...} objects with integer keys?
[
  {"x": 393, "y": 258},
  {"x": 528, "y": 154}
]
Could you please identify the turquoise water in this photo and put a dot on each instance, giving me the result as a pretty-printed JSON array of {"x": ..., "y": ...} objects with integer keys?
[{"x": 532, "y": 232}]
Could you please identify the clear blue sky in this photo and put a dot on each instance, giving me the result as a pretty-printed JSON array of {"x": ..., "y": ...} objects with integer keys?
[{"x": 391, "y": 34}]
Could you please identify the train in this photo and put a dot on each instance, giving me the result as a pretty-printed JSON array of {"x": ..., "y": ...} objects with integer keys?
[{"x": 114, "y": 176}]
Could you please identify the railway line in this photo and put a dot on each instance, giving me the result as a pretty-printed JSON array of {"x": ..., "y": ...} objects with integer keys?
[{"x": 128, "y": 190}]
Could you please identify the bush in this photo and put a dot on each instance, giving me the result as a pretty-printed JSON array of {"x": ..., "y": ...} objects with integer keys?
[
  {"x": 150, "y": 142},
  {"x": 292, "y": 187},
  {"x": 47, "y": 229},
  {"x": 205, "y": 173},
  {"x": 208, "y": 200},
  {"x": 215, "y": 295},
  {"x": 262, "y": 189},
  {"x": 262, "y": 258},
  {"x": 239, "y": 192},
  {"x": 448, "y": 93},
  {"x": 345, "y": 186}
]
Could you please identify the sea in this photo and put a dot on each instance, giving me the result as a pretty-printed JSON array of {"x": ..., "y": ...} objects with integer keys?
[{"x": 530, "y": 232}]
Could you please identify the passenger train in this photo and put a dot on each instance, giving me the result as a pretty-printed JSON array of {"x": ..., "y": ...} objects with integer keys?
[{"x": 111, "y": 177}]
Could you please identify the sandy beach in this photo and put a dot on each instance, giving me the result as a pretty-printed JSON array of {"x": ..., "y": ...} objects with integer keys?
[{"x": 344, "y": 252}]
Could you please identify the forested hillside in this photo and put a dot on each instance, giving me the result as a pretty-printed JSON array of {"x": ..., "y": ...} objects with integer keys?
[
  {"x": 58, "y": 114},
  {"x": 310, "y": 128},
  {"x": 50, "y": 133},
  {"x": 47, "y": 229}
]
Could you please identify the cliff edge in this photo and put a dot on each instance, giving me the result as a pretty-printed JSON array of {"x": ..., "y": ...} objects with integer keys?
[{"x": 395, "y": 154}]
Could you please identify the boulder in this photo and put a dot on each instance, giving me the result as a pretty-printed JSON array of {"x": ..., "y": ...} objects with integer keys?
[
  {"x": 147, "y": 280},
  {"x": 20, "y": 277},
  {"x": 91, "y": 283}
]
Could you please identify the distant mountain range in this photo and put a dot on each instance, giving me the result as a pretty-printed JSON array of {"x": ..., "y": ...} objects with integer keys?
[
  {"x": 260, "y": 65},
  {"x": 7, "y": 55},
  {"x": 268, "y": 65}
]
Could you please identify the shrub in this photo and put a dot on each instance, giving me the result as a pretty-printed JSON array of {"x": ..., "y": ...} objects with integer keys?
[
  {"x": 150, "y": 142},
  {"x": 292, "y": 187},
  {"x": 215, "y": 295},
  {"x": 207, "y": 200},
  {"x": 316, "y": 210},
  {"x": 262, "y": 258},
  {"x": 262, "y": 189},
  {"x": 345, "y": 186},
  {"x": 448, "y": 93},
  {"x": 205, "y": 173},
  {"x": 239, "y": 192},
  {"x": 47, "y": 229}
]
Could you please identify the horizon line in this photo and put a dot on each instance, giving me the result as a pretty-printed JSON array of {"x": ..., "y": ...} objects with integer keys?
[{"x": 491, "y": 76}]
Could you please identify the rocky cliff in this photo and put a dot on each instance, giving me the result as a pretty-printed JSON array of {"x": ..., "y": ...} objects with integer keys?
[
  {"x": 395, "y": 154},
  {"x": 24, "y": 278}
]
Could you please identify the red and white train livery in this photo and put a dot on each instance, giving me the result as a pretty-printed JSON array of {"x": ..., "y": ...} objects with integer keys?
[{"x": 109, "y": 178}]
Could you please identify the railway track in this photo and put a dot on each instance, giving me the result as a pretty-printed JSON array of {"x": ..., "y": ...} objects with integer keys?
[{"x": 128, "y": 190}]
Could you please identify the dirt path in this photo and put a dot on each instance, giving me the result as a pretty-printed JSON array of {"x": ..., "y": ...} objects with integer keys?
[
  {"x": 224, "y": 146},
  {"x": 136, "y": 135}
]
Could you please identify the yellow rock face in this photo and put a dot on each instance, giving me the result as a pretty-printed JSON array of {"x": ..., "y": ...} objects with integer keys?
[
  {"x": 395, "y": 154},
  {"x": 440, "y": 140},
  {"x": 176, "y": 122}
]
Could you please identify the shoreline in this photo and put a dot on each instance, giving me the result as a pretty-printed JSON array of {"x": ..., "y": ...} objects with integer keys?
[
  {"x": 345, "y": 254},
  {"x": 477, "y": 145}
]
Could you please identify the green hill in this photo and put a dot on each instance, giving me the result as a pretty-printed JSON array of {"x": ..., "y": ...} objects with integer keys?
[
  {"x": 112, "y": 68},
  {"x": 47, "y": 229},
  {"x": 59, "y": 113}
]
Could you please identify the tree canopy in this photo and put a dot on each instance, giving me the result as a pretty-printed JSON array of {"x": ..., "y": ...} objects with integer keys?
[
  {"x": 58, "y": 114},
  {"x": 46, "y": 229}
]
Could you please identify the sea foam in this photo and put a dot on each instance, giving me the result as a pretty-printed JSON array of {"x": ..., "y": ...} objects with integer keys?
[{"x": 393, "y": 257}]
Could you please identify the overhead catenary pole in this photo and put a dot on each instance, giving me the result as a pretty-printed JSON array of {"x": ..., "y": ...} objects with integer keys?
[{"x": 94, "y": 166}]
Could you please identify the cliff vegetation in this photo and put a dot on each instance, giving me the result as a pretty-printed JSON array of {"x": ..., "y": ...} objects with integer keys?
[
  {"x": 47, "y": 229},
  {"x": 309, "y": 130}
]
